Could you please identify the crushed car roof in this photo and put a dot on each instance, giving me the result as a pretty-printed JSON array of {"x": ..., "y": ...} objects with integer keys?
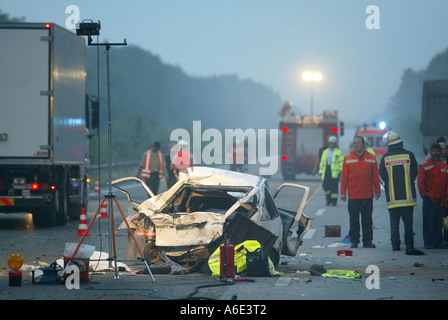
[{"x": 215, "y": 176}]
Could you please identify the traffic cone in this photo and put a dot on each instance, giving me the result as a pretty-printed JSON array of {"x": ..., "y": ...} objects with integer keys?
[
  {"x": 97, "y": 186},
  {"x": 103, "y": 211},
  {"x": 82, "y": 224}
]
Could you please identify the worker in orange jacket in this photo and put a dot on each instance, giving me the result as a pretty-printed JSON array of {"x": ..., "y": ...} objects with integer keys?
[
  {"x": 360, "y": 178},
  {"x": 432, "y": 185}
]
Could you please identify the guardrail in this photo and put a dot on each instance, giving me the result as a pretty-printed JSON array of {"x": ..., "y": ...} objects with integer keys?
[{"x": 102, "y": 167}]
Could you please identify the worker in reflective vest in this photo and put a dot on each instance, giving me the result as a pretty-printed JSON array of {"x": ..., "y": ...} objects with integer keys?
[
  {"x": 398, "y": 170},
  {"x": 330, "y": 169},
  {"x": 152, "y": 167}
]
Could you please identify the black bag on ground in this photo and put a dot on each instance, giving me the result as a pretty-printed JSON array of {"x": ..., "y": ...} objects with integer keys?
[{"x": 257, "y": 263}]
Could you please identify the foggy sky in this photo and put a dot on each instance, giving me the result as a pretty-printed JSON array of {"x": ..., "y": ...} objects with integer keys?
[{"x": 273, "y": 42}]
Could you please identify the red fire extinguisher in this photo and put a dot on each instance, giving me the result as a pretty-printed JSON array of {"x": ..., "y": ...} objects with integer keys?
[{"x": 227, "y": 262}]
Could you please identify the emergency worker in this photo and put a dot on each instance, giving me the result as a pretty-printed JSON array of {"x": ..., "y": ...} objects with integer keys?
[
  {"x": 368, "y": 148},
  {"x": 398, "y": 171},
  {"x": 182, "y": 159},
  {"x": 152, "y": 167},
  {"x": 360, "y": 178},
  {"x": 444, "y": 159},
  {"x": 432, "y": 186},
  {"x": 330, "y": 169},
  {"x": 170, "y": 177}
]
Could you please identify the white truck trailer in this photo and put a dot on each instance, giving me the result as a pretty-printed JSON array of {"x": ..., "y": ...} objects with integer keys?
[{"x": 44, "y": 122}]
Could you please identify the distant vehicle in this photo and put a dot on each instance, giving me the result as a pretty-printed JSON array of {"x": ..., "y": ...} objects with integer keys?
[
  {"x": 45, "y": 121},
  {"x": 187, "y": 220},
  {"x": 301, "y": 139},
  {"x": 434, "y": 112},
  {"x": 373, "y": 134}
]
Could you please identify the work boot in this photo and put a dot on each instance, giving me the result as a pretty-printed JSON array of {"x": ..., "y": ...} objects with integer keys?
[
  {"x": 369, "y": 245},
  {"x": 396, "y": 247},
  {"x": 414, "y": 252}
]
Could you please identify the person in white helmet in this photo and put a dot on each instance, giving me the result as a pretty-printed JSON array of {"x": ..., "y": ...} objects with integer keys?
[
  {"x": 398, "y": 170},
  {"x": 330, "y": 169}
]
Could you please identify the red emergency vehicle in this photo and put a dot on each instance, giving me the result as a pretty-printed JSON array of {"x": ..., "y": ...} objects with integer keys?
[{"x": 301, "y": 139}]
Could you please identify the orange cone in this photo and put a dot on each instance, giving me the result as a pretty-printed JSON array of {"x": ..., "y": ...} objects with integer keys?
[
  {"x": 97, "y": 186},
  {"x": 82, "y": 224},
  {"x": 103, "y": 211}
]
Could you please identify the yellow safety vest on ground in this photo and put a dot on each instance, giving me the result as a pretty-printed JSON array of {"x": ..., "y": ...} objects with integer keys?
[{"x": 240, "y": 258}]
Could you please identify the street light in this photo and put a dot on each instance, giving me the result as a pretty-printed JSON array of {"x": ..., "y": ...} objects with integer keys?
[{"x": 312, "y": 77}]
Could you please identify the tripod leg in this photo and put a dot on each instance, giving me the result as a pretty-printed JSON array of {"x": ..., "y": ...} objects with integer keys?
[
  {"x": 84, "y": 235},
  {"x": 135, "y": 240},
  {"x": 113, "y": 239},
  {"x": 88, "y": 228}
]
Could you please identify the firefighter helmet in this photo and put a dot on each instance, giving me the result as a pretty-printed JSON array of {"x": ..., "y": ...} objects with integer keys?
[{"x": 393, "y": 138}]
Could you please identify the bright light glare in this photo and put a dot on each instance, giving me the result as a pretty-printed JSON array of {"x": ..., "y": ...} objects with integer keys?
[
  {"x": 382, "y": 125},
  {"x": 312, "y": 76}
]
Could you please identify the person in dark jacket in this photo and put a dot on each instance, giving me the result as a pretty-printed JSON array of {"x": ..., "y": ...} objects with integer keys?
[{"x": 398, "y": 171}]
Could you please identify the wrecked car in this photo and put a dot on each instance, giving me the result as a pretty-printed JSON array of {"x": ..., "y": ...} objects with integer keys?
[{"x": 189, "y": 221}]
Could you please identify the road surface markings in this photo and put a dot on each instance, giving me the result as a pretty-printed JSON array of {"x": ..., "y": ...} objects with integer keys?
[
  {"x": 283, "y": 281},
  {"x": 309, "y": 234},
  {"x": 320, "y": 212}
]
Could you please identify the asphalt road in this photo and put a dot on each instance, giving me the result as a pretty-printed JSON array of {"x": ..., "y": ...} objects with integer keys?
[{"x": 395, "y": 276}]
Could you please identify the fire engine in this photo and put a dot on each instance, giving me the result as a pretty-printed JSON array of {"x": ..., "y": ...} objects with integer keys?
[
  {"x": 373, "y": 134},
  {"x": 302, "y": 137}
]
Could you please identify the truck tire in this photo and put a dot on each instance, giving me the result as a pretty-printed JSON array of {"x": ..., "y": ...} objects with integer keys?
[
  {"x": 44, "y": 217},
  {"x": 74, "y": 211},
  {"x": 61, "y": 199}
]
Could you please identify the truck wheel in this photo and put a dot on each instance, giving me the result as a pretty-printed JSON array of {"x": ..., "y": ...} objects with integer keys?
[
  {"x": 44, "y": 217},
  {"x": 74, "y": 212},
  {"x": 61, "y": 200},
  {"x": 289, "y": 177}
]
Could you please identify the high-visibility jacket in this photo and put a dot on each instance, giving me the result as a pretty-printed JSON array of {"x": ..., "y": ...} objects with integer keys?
[
  {"x": 239, "y": 258},
  {"x": 432, "y": 181},
  {"x": 360, "y": 176},
  {"x": 336, "y": 163},
  {"x": 344, "y": 274},
  {"x": 368, "y": 149},
  {"x": 146, "y": 169},
  {"x": 398, "y": 170}
]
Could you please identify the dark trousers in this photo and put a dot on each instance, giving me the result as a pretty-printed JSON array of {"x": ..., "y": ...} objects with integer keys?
[
  {"x": 432, "y": 223},
  {"x": 153, "y": 182},
  {"x": 330, "y": 187},
  {"x": 363, "y": 208},
  {"x": 406, "y": 214}
]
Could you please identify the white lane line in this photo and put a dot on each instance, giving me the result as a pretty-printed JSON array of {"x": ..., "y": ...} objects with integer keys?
[
  {"x": 283, "y": 282},
  {"x": 320, "y": 212},
  {"x": 309, "y": 234}
]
